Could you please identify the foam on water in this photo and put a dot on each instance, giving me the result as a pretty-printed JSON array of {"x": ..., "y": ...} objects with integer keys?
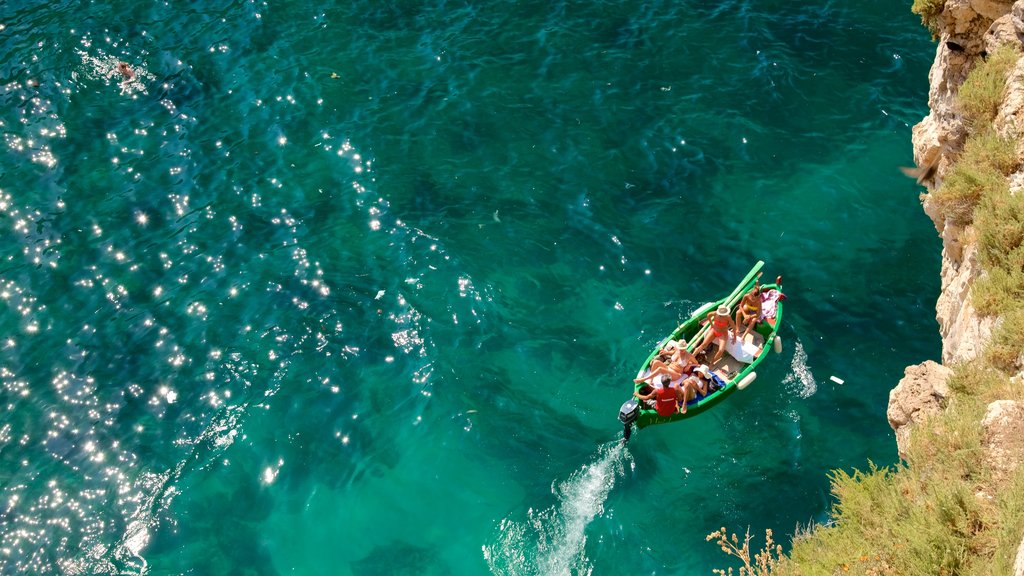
[
  {"x": 800, "y": 380},
  {"x": 553, "y": 541}
]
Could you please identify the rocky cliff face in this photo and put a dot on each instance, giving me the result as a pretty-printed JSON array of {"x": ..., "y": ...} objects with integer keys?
[{"x": 966, "y": 31}]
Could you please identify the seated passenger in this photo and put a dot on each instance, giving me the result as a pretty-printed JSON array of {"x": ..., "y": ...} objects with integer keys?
[
  {"x": 721, "y": 328},
  {"x": 748, "y": 313},
  {"x": 674, "y": 360},
  {"x": 704, "y": 380},
  {"x": 665, "y": 399}
]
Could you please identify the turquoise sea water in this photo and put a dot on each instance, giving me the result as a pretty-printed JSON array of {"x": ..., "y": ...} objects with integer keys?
[{"x": 359, "y": 288}]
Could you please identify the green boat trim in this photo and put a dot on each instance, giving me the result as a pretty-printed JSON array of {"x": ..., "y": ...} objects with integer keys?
[{"x": 732, "y": 374}]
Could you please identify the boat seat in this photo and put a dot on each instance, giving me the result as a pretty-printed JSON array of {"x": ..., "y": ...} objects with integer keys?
[{"x": 746, "y": 350}]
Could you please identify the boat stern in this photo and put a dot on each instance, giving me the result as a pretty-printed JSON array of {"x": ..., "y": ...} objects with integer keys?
[{"x": 628, "y": 414}]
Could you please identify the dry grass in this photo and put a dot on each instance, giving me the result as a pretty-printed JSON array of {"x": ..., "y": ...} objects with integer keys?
[
  {"x": 1006, "y": 350},
  {"x": 941, "y": 513},
  {"x": 923, "y": 518},
  {"x": 985, "y": 87},
  {"x": 980, "y": 172}
]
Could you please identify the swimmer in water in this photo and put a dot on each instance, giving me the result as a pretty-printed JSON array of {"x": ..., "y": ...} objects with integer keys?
[
  {"x": 127, "y": 75},
  {"x": 126, "y": 72}
]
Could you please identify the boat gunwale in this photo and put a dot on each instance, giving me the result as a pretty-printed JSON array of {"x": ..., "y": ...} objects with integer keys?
[{"x": 768, "y": 331}]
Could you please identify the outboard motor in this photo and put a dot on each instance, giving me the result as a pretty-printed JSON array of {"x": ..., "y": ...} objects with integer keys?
[{"x": 628, "y": 414}]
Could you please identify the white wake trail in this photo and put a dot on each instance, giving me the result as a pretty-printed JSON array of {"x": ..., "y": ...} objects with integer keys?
[{"x": 553, "y": 541}]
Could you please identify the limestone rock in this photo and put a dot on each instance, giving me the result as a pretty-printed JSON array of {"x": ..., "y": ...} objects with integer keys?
[
  {"x": 964, "y": 333},
  {"x": 921, "y": 393},
  {"x": 969, "y": 19},
  {"x": 940, "y": 136},
  {"x": 1016, "y": 182},
  {"x": 1002, "y": 31},
  {"x": 1003, "y": 437},
  {"x": 1017, "y": 16},
  {"x": 1009, "y": 121},
  {"x": 970, "y": 26},
  {"x": 991, "y": 9}
]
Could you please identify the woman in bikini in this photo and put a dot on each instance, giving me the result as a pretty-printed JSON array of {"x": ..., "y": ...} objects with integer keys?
[
  {"x": 721, "y": 328},
  {"x": 674, "y": 360},
  {"x": 748, "y": 313}
]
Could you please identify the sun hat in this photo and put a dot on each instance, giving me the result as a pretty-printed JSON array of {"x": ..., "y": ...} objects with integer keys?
[{"x": 722, "y": 310}]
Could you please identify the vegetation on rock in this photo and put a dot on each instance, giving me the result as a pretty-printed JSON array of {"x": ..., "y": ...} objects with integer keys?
[
  {"x": 943, "y": 511},
  {"x": 929, "y": 11}
]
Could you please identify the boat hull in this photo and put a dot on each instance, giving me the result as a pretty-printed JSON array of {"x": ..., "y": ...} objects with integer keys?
[{"x": 730, "y": 370}]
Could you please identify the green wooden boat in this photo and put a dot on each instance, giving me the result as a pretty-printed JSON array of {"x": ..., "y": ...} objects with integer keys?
[{"x": 733, "y": 371}]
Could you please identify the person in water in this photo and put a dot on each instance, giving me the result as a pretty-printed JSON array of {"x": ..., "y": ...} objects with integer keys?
[
  {"x": 127, "y": 74},
  {"x": 721, "y": 328},
  {"x": 667, "y": 399},
  {"x": 748, "y": 312}
]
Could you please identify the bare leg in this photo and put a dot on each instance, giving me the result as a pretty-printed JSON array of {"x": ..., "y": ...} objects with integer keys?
[
  {"x": 721, "y": 349},
  {"x": 750, "y": 326},
  {"x": 658, "y": 368},
  {"x": 656, "y": 365},
  {"x": 708, "y": 337},
  {"x": 683, "y": 396},
  {"x": 748, "y": 322}
]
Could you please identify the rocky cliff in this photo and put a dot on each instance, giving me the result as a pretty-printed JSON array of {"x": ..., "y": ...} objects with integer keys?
[{"x": 966, "y": 32}]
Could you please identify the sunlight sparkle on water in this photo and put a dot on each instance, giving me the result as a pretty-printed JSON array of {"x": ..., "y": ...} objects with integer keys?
[{"x": 270, "y": 472}]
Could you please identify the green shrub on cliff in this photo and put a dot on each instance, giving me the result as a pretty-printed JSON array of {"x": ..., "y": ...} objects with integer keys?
[
  {"x": 929, "y": 11},
  {"x": 999, "y": 227},
  {"x": 980, "y": 171},
  {"x": 998, "y": 218},
  {"x": 1006, "y": 349},
  {"x": 984, "y": 88},
  {"x": 1010, "y": 504},
  {"x": 939, "y": 514},
  {"x": 987, "y": 159},
  {"x": 1000, "y": 231},
  {"x": 998, "y": 292},
  {"x": 982, "y": 382}
]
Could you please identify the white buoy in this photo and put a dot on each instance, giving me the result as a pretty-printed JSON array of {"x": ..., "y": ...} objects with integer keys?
[
  {"x": 777, "y": 344},
  {"x": 746, "y": 380}
]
